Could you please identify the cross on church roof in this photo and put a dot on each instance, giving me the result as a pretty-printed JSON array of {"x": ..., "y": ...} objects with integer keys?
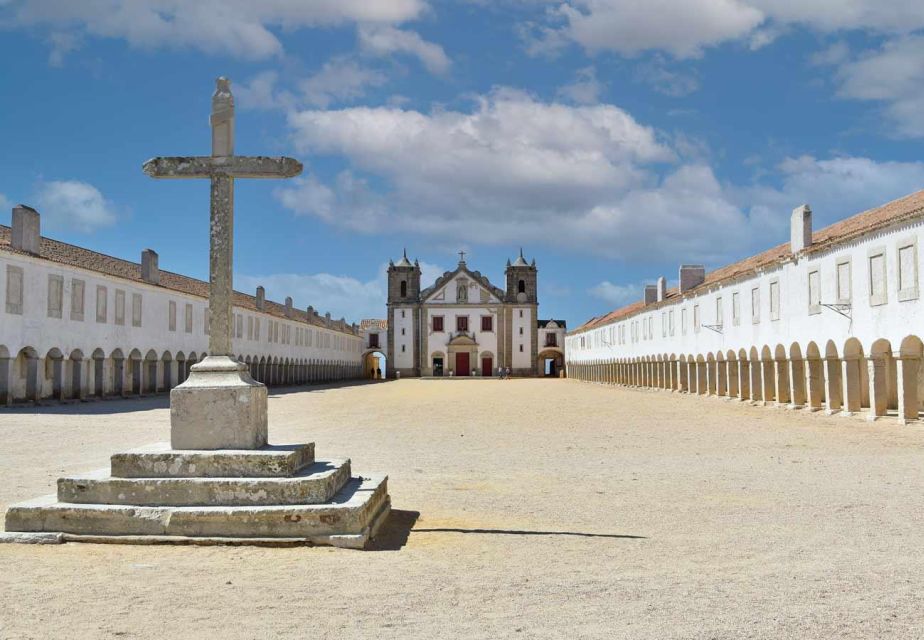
[{"x": 461, "y": 256}]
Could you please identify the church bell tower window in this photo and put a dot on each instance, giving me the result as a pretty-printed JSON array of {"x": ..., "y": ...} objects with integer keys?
[
  {"x": 521, "y": 286},
  {"x": 404, "y": 288}
]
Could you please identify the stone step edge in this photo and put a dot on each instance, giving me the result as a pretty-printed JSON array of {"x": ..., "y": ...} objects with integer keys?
[
  {"x": 160, "y": 461},
  {"x": 325, "y": 478},
  {"x": 353, "y": 509}
]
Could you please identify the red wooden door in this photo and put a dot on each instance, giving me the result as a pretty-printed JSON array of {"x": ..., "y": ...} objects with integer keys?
[
  {"x": 462, "y": 364},
  {"x": 487, "y": 367}
]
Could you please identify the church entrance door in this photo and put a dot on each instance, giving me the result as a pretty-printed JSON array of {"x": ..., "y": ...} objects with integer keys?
[
  {"x": 487, "y": 367},
  {"x": 463, "y": 367}
]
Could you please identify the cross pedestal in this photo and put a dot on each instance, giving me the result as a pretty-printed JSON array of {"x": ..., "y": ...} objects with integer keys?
[{"x": 220, "y": 406}]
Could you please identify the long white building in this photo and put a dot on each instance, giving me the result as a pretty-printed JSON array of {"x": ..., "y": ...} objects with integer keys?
[
  {"x": 78, "y": 324},
  {"x": 830, "y": 321}
]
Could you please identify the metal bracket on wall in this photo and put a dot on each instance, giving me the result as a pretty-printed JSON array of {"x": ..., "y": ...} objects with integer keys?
[
  {"x": 845, "y": 309},
  {"x": 713, "y": 327}
]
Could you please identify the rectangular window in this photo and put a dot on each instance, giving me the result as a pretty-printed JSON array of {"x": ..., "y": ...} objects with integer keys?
[
  {"x": 102, "y": 298},
  {"x": 670, "y": 321},
  {"x": 521, "y": 331},
  {"x": 78, "y": 289},
  {"x": 521, "y": 313},
  {"x": 814, "y": 292},
  {"x": 188, "y": 318},
  {"x": 755, "y": 305},
  {"x": 461, "y": 323},
  {"x": 171, "y": 315},
  {"x": 774, "y": 299},
  {"x": 844, "y": 285},
  {"x": 878, "y": 284},
  {"x": 437, "y": 323},
  {"x": 55, "y": 296},
  {"x": 276, "y": 332},
  {"x": 719, "y": 316},
  {"x": 240, "y": 326},
  {"x": 521, "y": 348},
  {"x": 487, "y": 323},
  {"x": 683, "y": 321},
  {"x": 119, "y": 307},
  {"x": 256, "y": 329},
  {"x": 14, "y": 289},
  {"x": 373, "y": 341},
  {"x": 736, "y": 309},
  {"x": 136, "y": 309},
  {"x": 696, "y": 319},
  {"x": 250, "y": 327},
  {"x": 403, "y": 348},
  {"x": 402, "y": 313},
  {"x": 908, "y": 271}
]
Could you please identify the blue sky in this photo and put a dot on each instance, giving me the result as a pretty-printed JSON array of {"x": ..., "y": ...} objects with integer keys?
[{"x": 613, "y": 140}]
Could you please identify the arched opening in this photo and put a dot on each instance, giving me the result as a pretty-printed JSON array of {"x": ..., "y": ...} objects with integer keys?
[
  {"x": 814, "y": 378},
  {"x": 99, "y": 372},
  {"x": 797, "y": 377},
  {"x": 150, "y": 372},
  {"x": 77, "y": 377},
  {"x": 781, "y": 389},
  {"x": 855, "y": 394},
  {"x": 136, "y": 371},
  {"x": 166, "y": 362},
  {"x": 27, "y": 386},
  {"x": 768, "y": 375},
  {"x": 404, "y": 288},
  {"x": 118, "y": 372},
  {"x": 181, "y": 373},
  {"x": 54, "y": 371},
  {"x": 6, "y": 395},
  {"x": 521, "y": 286},
  {"x": 374, "y": 365},
  {"x": 882, "y": 380},
  {"x": 909, "y": 379},
  {"x": 744, "y": 375}
]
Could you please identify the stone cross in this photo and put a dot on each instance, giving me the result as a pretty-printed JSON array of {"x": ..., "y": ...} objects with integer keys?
[
  {"x": 222, "y": 167},
  {"x": 220, "y": 406},
  {"x": 461, "y": 256}
]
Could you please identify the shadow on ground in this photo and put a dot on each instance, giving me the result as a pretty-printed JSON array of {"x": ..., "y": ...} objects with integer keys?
[
  {"x": 131, "y": 404},
  {"x": 400, "y": 525}
]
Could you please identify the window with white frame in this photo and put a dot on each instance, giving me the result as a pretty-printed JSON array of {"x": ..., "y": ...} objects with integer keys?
[
  {"x": 814, "y": 292},
  {"x": 844, "y": 283},
  {"x": 774, "y": 299},
  {"x": 718, "y": 312},
  {"x": 908, "y": 270},
  {"x": 736, "y": 309},
  {"x": 755, "y": 305},
  {"x": 683, "y": 321},
  {"x": 878, "y": 278},
  {"x": 695, "y": 318}
]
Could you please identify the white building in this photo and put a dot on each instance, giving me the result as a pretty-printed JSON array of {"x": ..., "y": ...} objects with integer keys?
[
  {"x": 78, "y": 324},
  {"x": 831, "y": 320},
  {"x": 462, "y": 325}
]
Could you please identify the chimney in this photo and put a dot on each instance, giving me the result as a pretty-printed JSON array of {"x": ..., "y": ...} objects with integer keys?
[
  {"x": 261, "y": 298},
  {"x": 691, "y": 275},
  {"x": 327, "y": 322},
  {"x": 26, "y": 229},
  {"x": 662, "y": 288},
  {"x": 310, "y": 311},
  {"x": 289, "y": 306},
  {"x": 150, "y": 272},
  {"x": 800, "y": 228},
  {"x": 651, "y": 293}
]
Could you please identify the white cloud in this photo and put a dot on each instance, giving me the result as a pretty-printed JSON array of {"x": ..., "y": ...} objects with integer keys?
[
  {"x": 71, "y": 204},
  {"x": 663, "y": 80},
  {"x": 5, "y": 204},
  {"x": 616, "y": 294},
  {"x": 893, "y": 75},
  {"x": 384, "y": 40},
  {"x": 342, "y": 296},
  {"x": 240, "y": 28},
  {"x": 580, "y": 178},
  {"x": 685, "y": 28},
  {"x": 585, "y": 89},
  {"x": 682, "y": 28},
  {"x": 339, "y": 80}
]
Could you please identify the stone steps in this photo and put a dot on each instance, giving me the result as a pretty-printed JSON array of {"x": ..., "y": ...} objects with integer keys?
[
  {"x": 312, "y": 484},
  {"x": 160, "y": 461},
  {"x": 348, "y": 519}
]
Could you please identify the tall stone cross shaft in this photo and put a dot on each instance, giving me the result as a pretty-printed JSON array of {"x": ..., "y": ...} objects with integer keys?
[
  {"x": 220, "y": 406},
  {"x": 222, "y": 167}
]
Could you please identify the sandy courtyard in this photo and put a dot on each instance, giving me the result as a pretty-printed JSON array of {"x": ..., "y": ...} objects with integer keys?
[{"x": 547, "y": 509}]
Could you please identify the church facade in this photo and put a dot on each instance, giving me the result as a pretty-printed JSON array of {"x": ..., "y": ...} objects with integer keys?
[{"x": 462, "y": 325}]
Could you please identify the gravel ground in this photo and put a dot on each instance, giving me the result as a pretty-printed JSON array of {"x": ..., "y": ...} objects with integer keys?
[{"x": 524, "y": 509}]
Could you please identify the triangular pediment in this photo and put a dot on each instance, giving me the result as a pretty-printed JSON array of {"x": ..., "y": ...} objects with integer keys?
[{"x": 462, "y": 287}]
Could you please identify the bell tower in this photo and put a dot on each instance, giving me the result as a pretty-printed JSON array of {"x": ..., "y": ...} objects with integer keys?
[
  {"x": 521, "y": 281},
  {"x": 403, "y": 350}
]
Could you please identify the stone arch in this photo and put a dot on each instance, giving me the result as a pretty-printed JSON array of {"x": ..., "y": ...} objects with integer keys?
[
  {"x": 882, "y": 379},
  {"x": 78, "y": 375},
  {"x": 167, "y": 376},
  {"x": 54, "y": 371},
  {"x": 26, "y": 384},
  {"x": 910, "y": 379},
  {"x": 853, "y": 377}
]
